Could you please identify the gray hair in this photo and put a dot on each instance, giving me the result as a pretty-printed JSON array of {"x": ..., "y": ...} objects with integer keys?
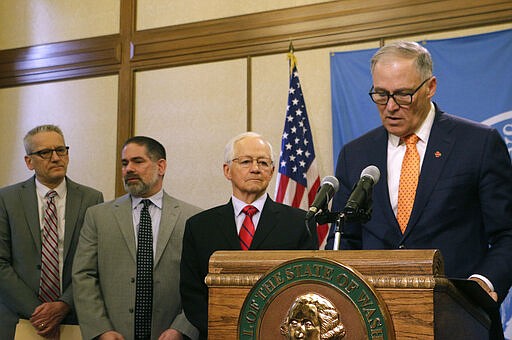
[
  {"x": 408, "y": 50},
  {"x": 229, "y": 150},
  {"x": 27, "y": 140}
]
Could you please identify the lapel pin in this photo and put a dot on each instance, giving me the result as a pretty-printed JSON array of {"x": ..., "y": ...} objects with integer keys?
[{"x": 437, "y": 154}]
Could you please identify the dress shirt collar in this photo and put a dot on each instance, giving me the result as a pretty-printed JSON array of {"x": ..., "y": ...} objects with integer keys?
[
  {"x": 42, "y": 189},
  {"x": 156, "y": 199},
  {"x": 238, "y": 205}
]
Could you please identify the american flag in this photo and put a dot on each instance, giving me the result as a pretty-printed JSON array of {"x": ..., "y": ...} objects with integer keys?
[{"x": 298, "y": 179}]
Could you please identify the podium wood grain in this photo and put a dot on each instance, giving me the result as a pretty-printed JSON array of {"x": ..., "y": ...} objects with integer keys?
[{"x": 422, "y": 303}]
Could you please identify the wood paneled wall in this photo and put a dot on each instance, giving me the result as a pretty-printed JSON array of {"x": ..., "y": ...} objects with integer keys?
[{"x": 309, "y": 27}]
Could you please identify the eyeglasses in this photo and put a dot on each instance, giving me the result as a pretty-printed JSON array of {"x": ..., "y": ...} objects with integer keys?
[
  {"x": 382, "y": 98},
  {"x": 47, "y": 153},
  {"x": 247, "y": 162}
]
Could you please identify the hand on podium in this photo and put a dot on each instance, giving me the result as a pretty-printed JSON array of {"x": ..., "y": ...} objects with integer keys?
[{"x": 485, "y": 287}]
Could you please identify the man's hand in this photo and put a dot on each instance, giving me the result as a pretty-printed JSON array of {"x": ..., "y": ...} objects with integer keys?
[
  {"x": 171, "y": 334},
  {"x": 111, "y": 335},
  {"x": 47, "y": 317},
  {"x": 485, "y": 287}
]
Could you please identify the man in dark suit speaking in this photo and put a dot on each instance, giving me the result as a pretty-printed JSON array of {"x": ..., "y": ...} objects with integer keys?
[
  {"x": 446, "y": 182},
  {"x": 249, "y": 221},
  {"x": 37, "y": 247}
]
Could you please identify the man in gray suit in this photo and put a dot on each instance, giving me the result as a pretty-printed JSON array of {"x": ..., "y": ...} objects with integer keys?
[
  {"x": 105, "y": 272},
  {"x": 22, "y": 207}
]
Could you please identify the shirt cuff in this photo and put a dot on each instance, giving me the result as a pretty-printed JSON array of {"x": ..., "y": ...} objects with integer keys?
[{"x": 486, "y": 280}]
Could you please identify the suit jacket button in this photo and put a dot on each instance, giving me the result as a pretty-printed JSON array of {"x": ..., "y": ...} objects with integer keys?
[
  {"x": 401, "y": 246},
  {"x": 38, "y": 267},
  {"x": 132, "y": 280},
  {"x": 130, "y": 310}
]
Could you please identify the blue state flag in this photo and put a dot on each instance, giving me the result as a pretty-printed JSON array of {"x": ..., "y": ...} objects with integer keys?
[{"x": 474, "y": 81}]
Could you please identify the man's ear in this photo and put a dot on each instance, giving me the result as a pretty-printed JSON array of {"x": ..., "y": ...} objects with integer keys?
[
  {"x": 28, "y": 161},
  {"x": 432, "y": 87},
  {"x": 162, "y": 166},
  {"x": 227, "y": 171}
]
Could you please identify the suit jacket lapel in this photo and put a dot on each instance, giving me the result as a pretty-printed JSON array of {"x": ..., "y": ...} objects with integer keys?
[
  {"x": 124, "y": 218},
  {"x": 381, "y": 191},
  {"x": 30, "y": 207},
  {"x": 268, "y": 221},
  {"x": 73, "y": 205},
  {"x": 226, "y": 225},
  {"x": 440, "y": 144},
  {"x": 170, "y": 213}
]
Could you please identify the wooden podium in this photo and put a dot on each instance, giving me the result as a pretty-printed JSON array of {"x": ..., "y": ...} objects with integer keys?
[{"x": 421, "y": 302}]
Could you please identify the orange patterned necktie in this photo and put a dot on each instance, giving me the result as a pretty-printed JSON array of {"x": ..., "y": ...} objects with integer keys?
[
  {"x": 247, "y": 231},
  {"x": 408, "y": 181}
]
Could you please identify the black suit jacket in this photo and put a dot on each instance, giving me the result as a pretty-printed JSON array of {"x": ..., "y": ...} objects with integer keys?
[
  {"x": 280, "y": 227},
  {"x": 463, "y": 203}
]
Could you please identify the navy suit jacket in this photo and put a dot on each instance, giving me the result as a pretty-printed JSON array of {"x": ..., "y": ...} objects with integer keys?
[
  {"x": 463, "y": 203},
  {"x": 280, "y": 227}
]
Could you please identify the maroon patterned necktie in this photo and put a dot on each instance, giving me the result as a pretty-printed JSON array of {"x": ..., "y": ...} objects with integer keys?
[
  {"x": 247, "y": 231},
  {"x": 49, "y": 287}
]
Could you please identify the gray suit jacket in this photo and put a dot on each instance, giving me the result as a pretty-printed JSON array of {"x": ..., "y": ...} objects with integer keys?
[
  {"x": 20, "y": 248},
  {"x": 105, "y": 268}
]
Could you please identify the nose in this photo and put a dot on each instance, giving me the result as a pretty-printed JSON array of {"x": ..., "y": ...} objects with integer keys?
[
  {"x": 299, "y": 333},
  {"x": 392, "y": 105},
  {"x": 54, "y": 156},
  {"x": 127, "y": 168},
  {"x": 255, "y": 166}
]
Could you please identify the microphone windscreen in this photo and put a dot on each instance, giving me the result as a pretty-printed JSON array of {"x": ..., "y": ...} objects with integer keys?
[
  {"x": 371, "y": 171},
  {"x": 332, "y": 181}
]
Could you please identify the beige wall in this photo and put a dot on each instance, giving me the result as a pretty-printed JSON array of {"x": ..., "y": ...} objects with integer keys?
[
  {"x": 85, "y": 110},
  {"x": 193, "y": 110},
  {"x": 29, "y": 22},
  {"x": 159, "y": 13}
]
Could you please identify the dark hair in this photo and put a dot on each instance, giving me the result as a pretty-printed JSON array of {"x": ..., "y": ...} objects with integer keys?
[{"x": 155, "y": 150}]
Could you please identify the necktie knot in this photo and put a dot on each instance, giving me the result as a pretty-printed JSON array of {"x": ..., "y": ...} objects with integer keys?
[
  {"x": 250, "y": 210},
  {"x": 146, "y": 203},
  {"x": 51, "y": 195},
  {"x": 411, "y": 139}
]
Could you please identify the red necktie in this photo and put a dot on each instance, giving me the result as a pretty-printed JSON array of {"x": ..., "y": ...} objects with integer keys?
[
  {"x": 408, "y": 181},
  {"x": 247, "y": 230},
  {"x": 49, "y": 287}
]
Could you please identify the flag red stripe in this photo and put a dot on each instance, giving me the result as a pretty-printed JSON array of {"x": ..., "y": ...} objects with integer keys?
[
  {"x": 299, "y": 192},
  {"x": 281, "y": 191}
]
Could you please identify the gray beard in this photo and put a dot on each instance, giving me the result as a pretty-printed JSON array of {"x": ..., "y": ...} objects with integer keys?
[{"x": 136, "y": 189}]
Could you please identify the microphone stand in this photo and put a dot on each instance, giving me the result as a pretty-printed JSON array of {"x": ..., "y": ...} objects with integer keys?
[
  {"x": 339, "y": 219},
  {"x": 338, "y": 224}
]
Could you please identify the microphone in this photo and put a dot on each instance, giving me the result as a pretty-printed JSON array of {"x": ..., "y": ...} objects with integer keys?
[
  {"x": 328, "y": 187},
  {"x": 359, "y": 202}
]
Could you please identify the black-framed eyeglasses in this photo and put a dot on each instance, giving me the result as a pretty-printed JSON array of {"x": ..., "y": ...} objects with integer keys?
[
  {"x": 47, "y": 153},
  {"x": 401, "y": 98},
  {"x": 246, "y": 162}
]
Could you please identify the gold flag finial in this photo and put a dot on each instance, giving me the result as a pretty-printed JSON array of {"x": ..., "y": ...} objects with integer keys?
[{"x": 291, "y": 57}]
